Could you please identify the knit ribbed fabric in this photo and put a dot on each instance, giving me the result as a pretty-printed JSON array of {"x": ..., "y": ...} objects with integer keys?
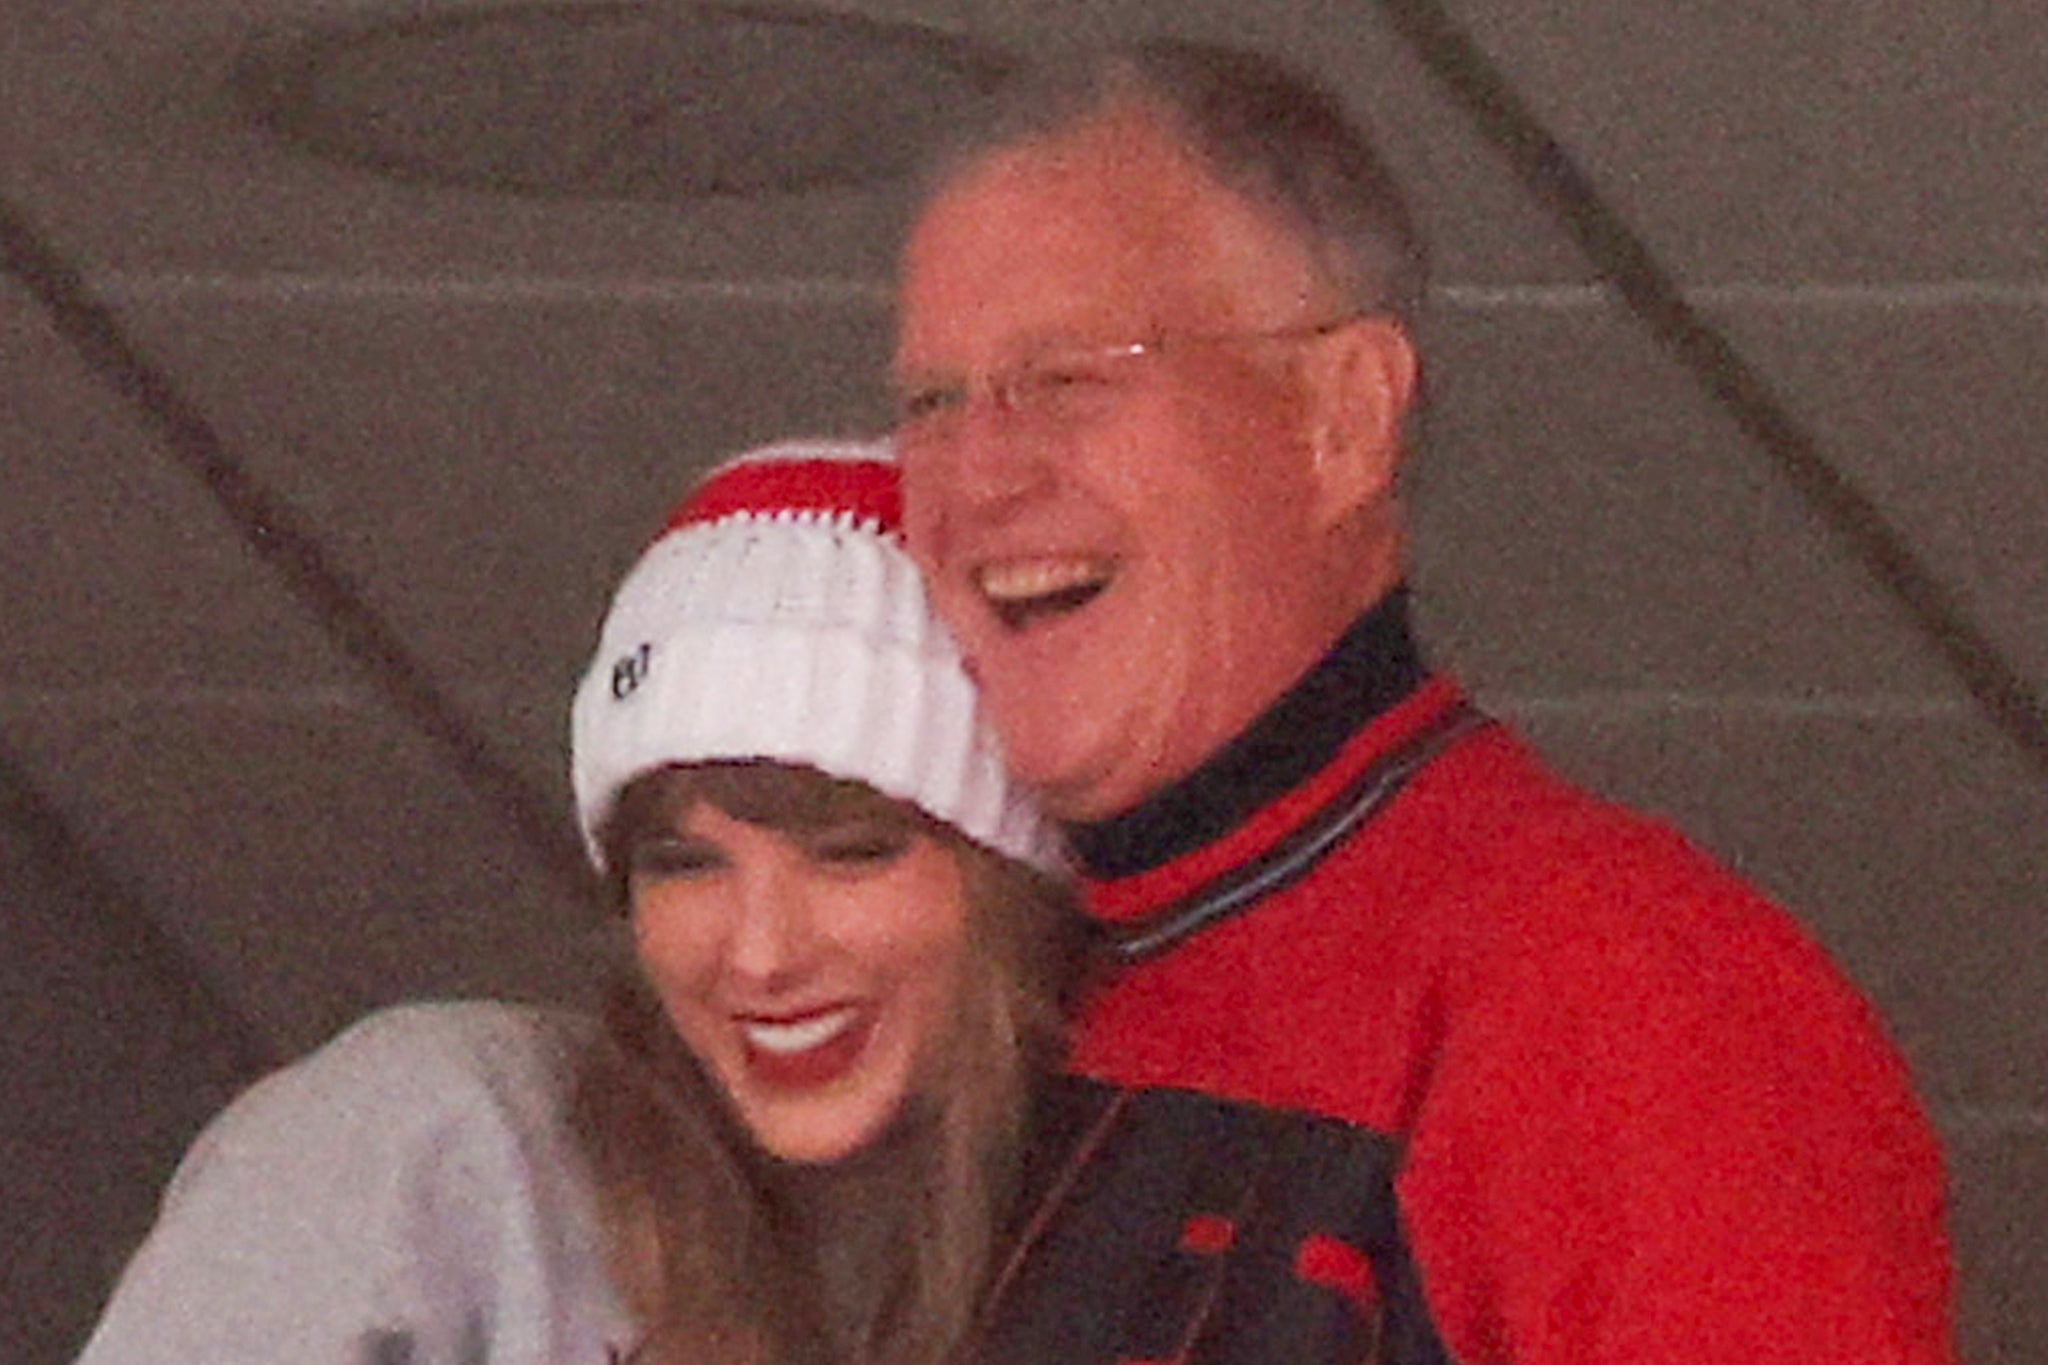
[{"x": 778, "y": 617}]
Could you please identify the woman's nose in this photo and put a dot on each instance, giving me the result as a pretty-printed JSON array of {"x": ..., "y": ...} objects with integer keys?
[{"x": 772, "y": 938}]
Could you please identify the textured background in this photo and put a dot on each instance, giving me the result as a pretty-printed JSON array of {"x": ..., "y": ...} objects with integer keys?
[{"x": 225, "y": 830}]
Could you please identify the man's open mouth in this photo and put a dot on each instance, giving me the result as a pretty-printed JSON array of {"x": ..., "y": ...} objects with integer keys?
[{"x": 1021, "y": 592}]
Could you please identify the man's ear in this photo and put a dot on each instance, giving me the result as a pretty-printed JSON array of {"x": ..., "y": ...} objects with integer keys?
[{"x": 1362, "y": 380}]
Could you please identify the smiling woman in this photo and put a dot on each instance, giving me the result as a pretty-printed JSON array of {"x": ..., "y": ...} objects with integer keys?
[
  {"x": 828, "y": 1043},
  {"x": 810, "y": 952},
  {"x": 847, "y": 953},
  {"x": 797, "y": 1129}
]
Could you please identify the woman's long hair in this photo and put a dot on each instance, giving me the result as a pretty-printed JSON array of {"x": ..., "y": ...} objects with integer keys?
[{"x": 726, "y": 1254}]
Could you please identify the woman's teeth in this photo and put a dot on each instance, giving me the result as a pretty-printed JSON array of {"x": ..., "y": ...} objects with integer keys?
[{"x": 787, "y": 1039}]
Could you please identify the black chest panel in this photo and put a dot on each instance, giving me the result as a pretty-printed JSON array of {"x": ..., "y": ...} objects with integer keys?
[{"x": 1165, "y": 1226}]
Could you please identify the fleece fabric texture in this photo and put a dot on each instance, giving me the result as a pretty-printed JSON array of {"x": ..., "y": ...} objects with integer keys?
[
  {"x": 1641, "y": 1117},
  {"x": 407, "y": 1195}
]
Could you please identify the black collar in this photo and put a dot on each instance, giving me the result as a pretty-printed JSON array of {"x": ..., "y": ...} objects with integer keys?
[{"x": 1373, "y": 665}]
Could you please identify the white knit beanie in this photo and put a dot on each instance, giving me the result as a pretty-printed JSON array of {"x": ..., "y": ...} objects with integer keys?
[{"x": 778, "y": 617}]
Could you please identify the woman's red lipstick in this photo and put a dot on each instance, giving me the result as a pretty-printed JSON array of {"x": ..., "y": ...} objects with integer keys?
[{"x": 810, "y": 1067}]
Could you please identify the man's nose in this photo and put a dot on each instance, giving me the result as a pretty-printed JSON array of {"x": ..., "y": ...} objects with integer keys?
[{"x": 990, "y": 456}]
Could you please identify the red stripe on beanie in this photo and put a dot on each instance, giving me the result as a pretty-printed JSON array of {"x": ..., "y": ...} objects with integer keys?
[{"x": 867, "y": 490}]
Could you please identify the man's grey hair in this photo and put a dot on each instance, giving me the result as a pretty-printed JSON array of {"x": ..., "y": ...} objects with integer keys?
[{"x": 1262, "y": 128}]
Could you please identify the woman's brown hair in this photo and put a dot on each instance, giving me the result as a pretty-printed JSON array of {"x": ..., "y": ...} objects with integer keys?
[{"x": 727, "y": 1255}]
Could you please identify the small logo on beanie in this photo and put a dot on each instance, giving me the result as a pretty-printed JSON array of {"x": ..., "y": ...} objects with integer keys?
[{"x": 630, "y": 670}]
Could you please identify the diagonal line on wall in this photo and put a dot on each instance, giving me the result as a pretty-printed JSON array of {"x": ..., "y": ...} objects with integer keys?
[
  {"x": 54, "y": 843},
  {"x": 1626, "y": 263},
  {"x": 283, "y": 540}
]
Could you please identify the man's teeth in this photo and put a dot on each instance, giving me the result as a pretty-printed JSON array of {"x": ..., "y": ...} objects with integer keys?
[
  {"x": 1037, "y": 577},
  {"x": 800, "y": 1036},
  {"x": 1023, "y": 589}
]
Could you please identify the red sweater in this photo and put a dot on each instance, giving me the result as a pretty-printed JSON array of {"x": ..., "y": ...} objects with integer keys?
[{"x": 1644, "y": 1118}]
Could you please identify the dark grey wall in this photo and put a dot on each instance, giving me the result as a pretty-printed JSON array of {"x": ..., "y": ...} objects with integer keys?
[{"x": 111, "y": 1063}]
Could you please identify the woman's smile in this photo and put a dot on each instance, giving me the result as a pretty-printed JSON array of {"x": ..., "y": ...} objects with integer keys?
[
  {"x": 810, "y": 1053},
  {"x": 812, "y": 972}
]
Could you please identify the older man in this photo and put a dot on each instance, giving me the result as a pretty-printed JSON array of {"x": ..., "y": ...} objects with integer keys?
[{"x": 1154, "y": 364}]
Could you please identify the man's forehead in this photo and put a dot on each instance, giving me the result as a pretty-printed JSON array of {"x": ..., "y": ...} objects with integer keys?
[
  {"x": 1115, "y": 166},
  {"x": 1098, "y": 233}
]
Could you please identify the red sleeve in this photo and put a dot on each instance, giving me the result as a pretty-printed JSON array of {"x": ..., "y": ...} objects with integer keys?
[{"x": 1662, "y": 1128}]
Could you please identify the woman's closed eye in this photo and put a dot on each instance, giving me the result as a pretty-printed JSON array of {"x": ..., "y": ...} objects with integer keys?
[
  {"x": 860, "y": 847},
  {"x": 670, "y": 859}
]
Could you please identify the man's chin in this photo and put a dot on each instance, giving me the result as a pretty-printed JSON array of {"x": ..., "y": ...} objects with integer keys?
[
  {"x": 1077, "y": 793},
  {"x": 1070, "y": 753},
  {"x": 1047, "y": 765}
]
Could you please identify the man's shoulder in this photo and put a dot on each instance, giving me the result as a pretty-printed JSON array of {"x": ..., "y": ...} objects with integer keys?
[
  {"x": 1495, "y": 857},
  {"x": 1494, "y": 808},
  {"x": 1483, "y": 800}
]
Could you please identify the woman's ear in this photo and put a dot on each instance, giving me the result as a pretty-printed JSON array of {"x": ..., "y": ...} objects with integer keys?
[{"x": 1362, "y": 379}]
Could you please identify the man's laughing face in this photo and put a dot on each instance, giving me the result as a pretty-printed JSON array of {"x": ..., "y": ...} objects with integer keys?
[{"x": 1107, "y": 476}]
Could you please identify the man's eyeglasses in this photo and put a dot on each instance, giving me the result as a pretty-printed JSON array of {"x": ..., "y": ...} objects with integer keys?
[{"x": 1067, "y": 385}]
